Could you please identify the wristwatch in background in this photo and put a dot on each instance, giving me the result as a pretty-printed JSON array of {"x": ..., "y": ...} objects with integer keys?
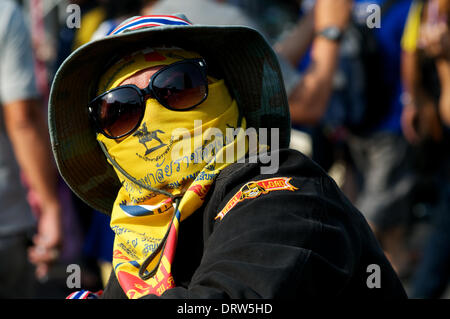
[{"x": 331, "y": 33}]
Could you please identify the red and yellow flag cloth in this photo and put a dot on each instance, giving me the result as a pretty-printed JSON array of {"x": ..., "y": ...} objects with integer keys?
[
  {"x": 127, "y": 269},
  {"x": 255, "y": 189},
  {"x": 168, "y": 152}
]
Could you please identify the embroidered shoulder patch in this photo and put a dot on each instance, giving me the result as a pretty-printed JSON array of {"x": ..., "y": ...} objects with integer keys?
[{"x": 255, "y": 189}]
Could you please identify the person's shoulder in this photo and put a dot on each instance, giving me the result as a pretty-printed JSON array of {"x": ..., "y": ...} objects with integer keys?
[
  {"x": 287, "y": 163},
  {"x": 300, "y": 200},
  {"x": 299, "y": 185}
]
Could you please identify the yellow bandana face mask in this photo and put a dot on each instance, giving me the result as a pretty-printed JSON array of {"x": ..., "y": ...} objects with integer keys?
[{"x": 175, "y": 153}]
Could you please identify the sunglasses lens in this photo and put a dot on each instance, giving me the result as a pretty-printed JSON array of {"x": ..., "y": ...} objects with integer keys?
[
  {"x": 119, "y": 111},
  {"x": 180, "y": 87}
]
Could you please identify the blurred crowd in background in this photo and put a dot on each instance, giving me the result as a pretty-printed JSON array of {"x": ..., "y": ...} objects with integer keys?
[{"x": 373, "y": 109}]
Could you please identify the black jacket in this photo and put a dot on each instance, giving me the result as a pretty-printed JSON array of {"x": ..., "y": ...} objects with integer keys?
[{"x": 309, "y": 242}]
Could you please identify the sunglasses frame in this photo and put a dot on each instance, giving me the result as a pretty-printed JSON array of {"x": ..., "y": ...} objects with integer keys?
[{"x": 146, "y": 93}]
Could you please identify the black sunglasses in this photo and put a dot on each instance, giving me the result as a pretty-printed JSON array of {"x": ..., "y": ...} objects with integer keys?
[{"x": 179, "y": 86}]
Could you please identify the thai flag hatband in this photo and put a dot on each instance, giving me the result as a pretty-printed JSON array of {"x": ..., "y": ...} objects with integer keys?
[{"x": 148, "y": 21}]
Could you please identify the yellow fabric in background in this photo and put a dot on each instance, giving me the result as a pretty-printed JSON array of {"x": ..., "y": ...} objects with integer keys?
[
  {"x": 412, "y": 28},
  {"x": 90, "y": 21}
]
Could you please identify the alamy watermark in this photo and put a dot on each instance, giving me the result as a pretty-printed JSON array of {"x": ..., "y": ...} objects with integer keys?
[
  {"x": 73, "y": 19},
  {"x": 372, "y": 13},
  {"x": 234, "y": 145},
  {"x": 374, "y": 279},
  {"x": 373, "y": 20},
  {"x": 73, "y": 280}
]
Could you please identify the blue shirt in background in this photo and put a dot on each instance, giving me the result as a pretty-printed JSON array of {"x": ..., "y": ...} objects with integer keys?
[{"x": 345, "y": 103}]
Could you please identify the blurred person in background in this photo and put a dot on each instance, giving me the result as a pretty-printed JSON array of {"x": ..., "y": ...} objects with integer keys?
[
  {"x": 293, "y": 34},
  {"x": 24, "y": 147},
  {"x": 351, "y": 102},
  {"x": 426, "y": 125},
  {"x": 379, "y": 153},
  {"x": 323, "y": 27}
]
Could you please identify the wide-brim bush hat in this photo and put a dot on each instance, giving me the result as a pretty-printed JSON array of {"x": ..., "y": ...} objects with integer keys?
[{"x": 244, "y": 57}]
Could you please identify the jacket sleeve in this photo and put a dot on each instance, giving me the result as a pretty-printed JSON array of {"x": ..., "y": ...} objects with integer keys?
[{"x": 273, "y": 246}]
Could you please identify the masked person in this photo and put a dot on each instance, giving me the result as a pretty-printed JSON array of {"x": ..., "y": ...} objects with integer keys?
[{"x": 153, "y": 125}]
